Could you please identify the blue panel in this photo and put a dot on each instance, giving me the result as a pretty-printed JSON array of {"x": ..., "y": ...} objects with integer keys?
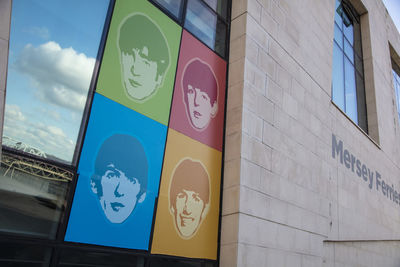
[
  {"x": 337, "y": 77},
  {"x": 123, "y": 150},
  {"x": 351, "y": 92}
]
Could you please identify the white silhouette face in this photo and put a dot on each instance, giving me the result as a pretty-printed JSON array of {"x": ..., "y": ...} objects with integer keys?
[
  {"x": 190, "y": 210},
  {"x": 140, "y": 74},
  {"x": 200, "y": 108},
  {"x": 119, "y": 194}
]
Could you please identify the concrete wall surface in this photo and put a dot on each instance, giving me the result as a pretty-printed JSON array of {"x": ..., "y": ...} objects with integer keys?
[
  {"x": 362, "y": 253},
  {"x": 284, "y": 192}
]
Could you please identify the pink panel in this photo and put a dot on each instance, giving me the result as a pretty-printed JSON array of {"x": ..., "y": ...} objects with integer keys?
[{"x": 199, "y": 96}]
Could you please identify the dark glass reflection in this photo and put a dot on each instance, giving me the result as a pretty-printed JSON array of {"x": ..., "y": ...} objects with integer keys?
[
  {"x": 24, "y": 255},
  {"x": 73, "y": 257},
  {"x": 32, "y": 196},
  {"x": 53, "y": 49},
  {"x": 201, "y": 21},
  {"x": 173, "y": 263},
  {"x": 174, "y": 7}
]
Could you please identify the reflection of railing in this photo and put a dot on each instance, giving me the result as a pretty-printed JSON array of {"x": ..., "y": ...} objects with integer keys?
[
  {"x": 35, "y": 167},
  {"x": 18, "y": 145}
]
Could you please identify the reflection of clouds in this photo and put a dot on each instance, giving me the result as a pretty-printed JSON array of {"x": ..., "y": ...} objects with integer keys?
[
  {"x": 13, "y": 112},
  {"x": 41, "y": 32},
  {"x": 60, "y": 75},
  {"x": 48, "y": 138}
]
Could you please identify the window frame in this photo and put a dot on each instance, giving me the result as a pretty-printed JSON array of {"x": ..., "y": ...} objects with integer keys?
[{"x": 356, "y": 62}]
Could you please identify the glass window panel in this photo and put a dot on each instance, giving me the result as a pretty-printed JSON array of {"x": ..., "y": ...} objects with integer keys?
[
  {"x": 173, "y": 263},
  {"x": 348, "y": 32},
  {"x": 212, "y": 3},
  {"x": 361, "y": 103},
  {"x": 358, "y": 63},
  {"x": 13, "y": 254},
  {"x": 174, "y": 7},
  {"x": 350, "y": 89},
  {"x": 220, "y": 6},
  {"x": 396, "y": 82},
  {"x": 32, "y": 196},
  {"x": 348, "y": 49},
  {"x": 337, "y": 77},
  {"x": 201, "y": 21},
  {"x": 338, "y": 10},
  {"x": 220, "y": 44},
  {"x": 79, "y": 257},
  {"x": 338, "y": 36},
  {"x": 357, "y": 40},
  {"x": 53, "y": 49}
]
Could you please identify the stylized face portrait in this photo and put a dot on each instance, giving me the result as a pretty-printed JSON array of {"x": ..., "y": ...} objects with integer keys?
[
  {"x": 200, "y": 93},
  {"x": 189, "y": 196},
  {"x": 120, "y": 178},
  {"x": 144, "y": 56}
]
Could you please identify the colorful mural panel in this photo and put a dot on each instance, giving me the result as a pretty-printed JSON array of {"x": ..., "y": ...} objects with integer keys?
[
  {"x": 188, "y": 207},
  {"x": 119, "y": 173},
  {"x": 199, "y": 96},
  {"x": 140, "y": 57}
]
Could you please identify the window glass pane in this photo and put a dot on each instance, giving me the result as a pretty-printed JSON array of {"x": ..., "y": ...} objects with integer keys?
[
  {"x": 348, "y": 32},
  {"x": 358, "y": 64},
  {"x": 32, "y": 196},
  {"x": 53, "y": 49},
  {"x": 348, "y": 49},
  {"x": 338, "y": 10},
  {"x": 361, "y": 103},
  {"x": 350, "y": 89},
  {"x": 337, "y": 77},
  {"x": 12, "y": 254},
  {"x": 201, "y": 21},
  {"x": 173, "y": 263},
  {"x": 174, "y": 7},
  {"x": 220, "y": 6},
  {"x": 220, "y": 44},
  {"x": 338, "y": 36},
  {"x": 212, "y": 3},
  {"x": 79, "y": 257}
]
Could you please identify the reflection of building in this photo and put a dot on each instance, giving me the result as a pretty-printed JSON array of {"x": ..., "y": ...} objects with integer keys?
[{"x": 311, "y": 154}]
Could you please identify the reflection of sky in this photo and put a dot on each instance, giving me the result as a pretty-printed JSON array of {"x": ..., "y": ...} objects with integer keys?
[
  {"x": 53, "y": 46},
  {"x": 393, "y": 7}
]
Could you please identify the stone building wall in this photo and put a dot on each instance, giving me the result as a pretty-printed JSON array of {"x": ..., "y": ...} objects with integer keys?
[{"x": 285, "y": 195}]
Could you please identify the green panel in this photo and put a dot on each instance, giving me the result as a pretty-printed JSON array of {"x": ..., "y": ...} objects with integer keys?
[{"x": 139, "y": 62}]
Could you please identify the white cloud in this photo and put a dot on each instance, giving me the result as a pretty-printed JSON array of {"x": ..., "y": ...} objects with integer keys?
[
  {"x": 50, "y": 139},
  {"x": 61, "y": 76},
  {"x": 13, "y": 112}
]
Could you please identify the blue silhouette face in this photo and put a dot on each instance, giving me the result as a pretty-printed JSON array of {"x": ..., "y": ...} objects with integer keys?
[{"x": 120, "y": 194}]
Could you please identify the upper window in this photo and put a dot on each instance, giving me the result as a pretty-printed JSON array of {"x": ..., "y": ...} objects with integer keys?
[
  {"x": 348, "y": 91},
  {"x": 396, "y": 82},
  {"x": 205, "y": 19}
]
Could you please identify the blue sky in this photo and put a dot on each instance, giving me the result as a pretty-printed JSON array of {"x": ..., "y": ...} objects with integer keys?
[
  {"x": 393, "y": 7},
  {"x": 53, "y": 46}
]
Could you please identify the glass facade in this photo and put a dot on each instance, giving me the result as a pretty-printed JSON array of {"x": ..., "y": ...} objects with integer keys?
[
  {"x": 58, "y": 102},
  {"x": 348, "y": 91},
  {"x": 396, "y": 83}
]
